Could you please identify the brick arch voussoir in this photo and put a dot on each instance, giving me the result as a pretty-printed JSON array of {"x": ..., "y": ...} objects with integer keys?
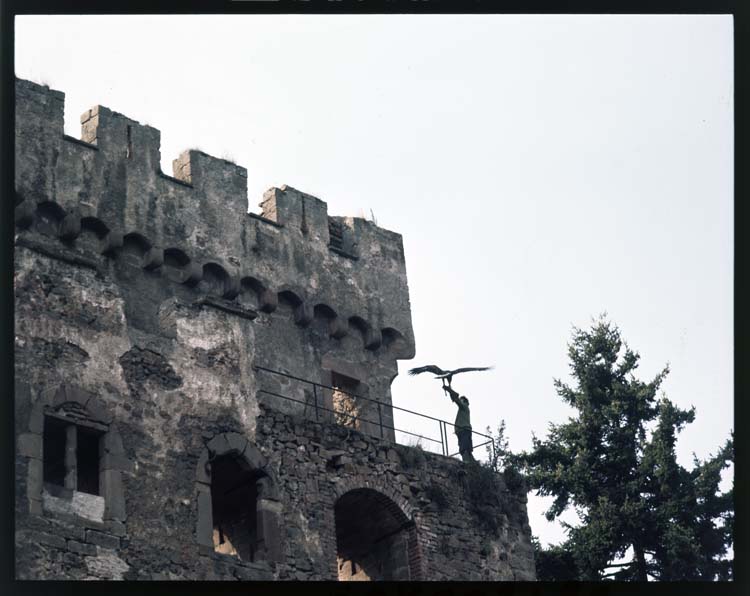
[{"x": 391, "y": 500}]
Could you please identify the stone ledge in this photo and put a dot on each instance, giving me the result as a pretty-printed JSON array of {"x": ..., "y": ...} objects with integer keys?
[
  {"x": 81, "y": 548},
  {"x": 101, "y": 539}
]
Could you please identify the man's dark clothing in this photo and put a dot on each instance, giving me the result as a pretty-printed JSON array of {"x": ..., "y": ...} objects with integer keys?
[
  {"x": 462, "y": 425},
  {"x": 465, "y": 444}
]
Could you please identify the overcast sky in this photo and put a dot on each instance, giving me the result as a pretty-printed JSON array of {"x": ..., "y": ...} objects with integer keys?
[{"x": 542, "y": 170}]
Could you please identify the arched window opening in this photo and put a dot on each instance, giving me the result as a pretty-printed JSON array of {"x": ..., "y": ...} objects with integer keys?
[
  {"x": 375, "y": 540},
  {"x": 238, "y": 505},
  {"x": 234, "y": 505}
]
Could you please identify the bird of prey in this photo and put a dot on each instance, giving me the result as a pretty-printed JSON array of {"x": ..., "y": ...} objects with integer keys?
[{"x": 444, "y": 374}]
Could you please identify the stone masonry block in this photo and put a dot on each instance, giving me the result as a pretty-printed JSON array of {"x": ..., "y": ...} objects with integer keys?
[
  {"x": 36, "y": 420},
  {"x": 218, "y": 444},
  {"x": 116, "y": 528},
  {"x": 112, "y": 490},
  {"x": 71, "y": 393},
  {"x": 48, "y": 539},
  {"x": 34, "y": 478},
  {"x": 269, "y": 535},
  {"x": 30, "y": 445},
  {"x": 115, "y": 461},
  {"x": 112, "y": 443},
  {"x": 35, "y": 507},
  {"x": 102, "y": 539},
  {"x": 81, "y": 548},
  {"x": 205, "y": 527},
  {"x": 99, "y": 411},
  {"x": 236, "y": 442},
  {"x": 201, "y": 469}
]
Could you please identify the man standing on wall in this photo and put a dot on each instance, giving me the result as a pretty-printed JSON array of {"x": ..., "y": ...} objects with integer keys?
[{"x": 462, "y": 424}]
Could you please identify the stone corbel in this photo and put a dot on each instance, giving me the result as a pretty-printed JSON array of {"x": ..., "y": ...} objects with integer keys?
[
  {"x": 338, "y": 328},
  {"x": 112, "y": 242},
  {"x": 303, "y": 314},
  {"x": 268, "y": 300},
  {"x": 70, "y": 227},
  {"x": 153, "y": 259},
  {"x": 24, "y": 213}
]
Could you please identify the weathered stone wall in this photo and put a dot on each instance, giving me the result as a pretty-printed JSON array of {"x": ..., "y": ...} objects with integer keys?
[
  {"x": 316, "y": 464},
  {"x": 143, "y": 306},
  {"x": 313, "y": 465}
]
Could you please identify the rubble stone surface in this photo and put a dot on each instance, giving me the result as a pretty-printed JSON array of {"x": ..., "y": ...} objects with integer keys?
[{"x": 147, "y": 310}]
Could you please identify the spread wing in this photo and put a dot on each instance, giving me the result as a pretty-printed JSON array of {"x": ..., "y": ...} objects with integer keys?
[
  {"x": 429, "y": 368},
  {"x": 468, "y": 369}
]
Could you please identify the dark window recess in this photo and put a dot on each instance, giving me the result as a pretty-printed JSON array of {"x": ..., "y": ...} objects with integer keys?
[
  {"x": 87, "y": 451},
  {"x": 336, "y": 234},
  {"x": 54, "y": 451},
  {"x": 343, "y": 382},
  {"x": 88, "y": 461},
  {"x": 233, "y": 502}
]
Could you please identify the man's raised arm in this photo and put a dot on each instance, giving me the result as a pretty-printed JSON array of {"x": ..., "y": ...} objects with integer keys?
[{"x": 453, "y": 393}]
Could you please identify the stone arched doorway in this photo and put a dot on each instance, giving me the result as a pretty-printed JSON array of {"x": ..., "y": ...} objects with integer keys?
[{"x": 375, "y": 540}]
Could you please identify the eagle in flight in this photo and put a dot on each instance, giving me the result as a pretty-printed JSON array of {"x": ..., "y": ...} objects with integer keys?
[{"x": 444, "y": 374}]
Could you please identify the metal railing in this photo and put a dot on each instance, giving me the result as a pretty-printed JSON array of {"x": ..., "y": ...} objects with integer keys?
[{"x": 383, "y": 410}]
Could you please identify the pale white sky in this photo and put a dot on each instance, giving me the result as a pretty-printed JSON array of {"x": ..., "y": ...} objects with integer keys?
[{"x": 542, "y": 170}]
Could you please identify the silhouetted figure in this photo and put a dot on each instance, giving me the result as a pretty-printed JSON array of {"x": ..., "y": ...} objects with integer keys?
[{"x": 462, "y": 424}]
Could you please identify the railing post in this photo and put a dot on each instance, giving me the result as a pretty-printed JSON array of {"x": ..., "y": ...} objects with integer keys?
[
  {"x": 380, "y": 418},
  {"x": 315, "y": 397},
  {"x": 442, "y": 441}
]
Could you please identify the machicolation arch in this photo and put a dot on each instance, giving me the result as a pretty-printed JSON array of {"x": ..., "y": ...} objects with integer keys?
[{"x": 85, "y": 234}]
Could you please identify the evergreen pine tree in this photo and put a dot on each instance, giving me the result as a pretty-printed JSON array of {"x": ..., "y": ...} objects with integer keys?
[{"x": 623, "y": 480}]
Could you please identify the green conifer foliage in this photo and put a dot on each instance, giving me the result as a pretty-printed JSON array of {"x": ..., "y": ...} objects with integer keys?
[{"x": 614, "y": 462}]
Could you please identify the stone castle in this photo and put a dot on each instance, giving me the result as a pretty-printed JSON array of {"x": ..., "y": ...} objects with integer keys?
[{"x": 204, "y": 393}]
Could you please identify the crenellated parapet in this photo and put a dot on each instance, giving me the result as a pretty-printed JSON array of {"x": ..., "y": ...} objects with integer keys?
[{"x": 193, "y": 226}]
